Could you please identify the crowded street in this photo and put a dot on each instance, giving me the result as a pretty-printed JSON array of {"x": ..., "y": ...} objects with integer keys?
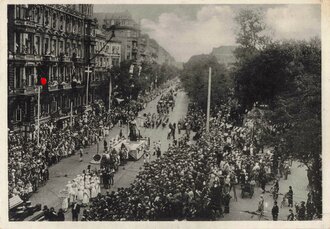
[
  {"x": 111, "y": 118},
  {"x": 61, "y": 173}
]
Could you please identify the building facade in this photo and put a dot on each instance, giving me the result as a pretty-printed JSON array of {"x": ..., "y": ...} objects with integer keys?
[
  {"x": 151, "y": 51},
  {"x": 60, "y": 39},
  {"x": 126, "y": 30}
]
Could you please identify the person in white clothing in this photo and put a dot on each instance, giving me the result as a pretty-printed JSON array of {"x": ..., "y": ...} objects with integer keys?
[
  {"x": 80, "y": 195},
  {"x": 93, "y": 190},
  {"x": 86, "y": 196}
]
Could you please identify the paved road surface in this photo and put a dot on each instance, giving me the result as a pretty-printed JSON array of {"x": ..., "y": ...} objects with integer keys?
[
  {"x": 70, "y": 167},
  {"x": 298, "y": 181}
]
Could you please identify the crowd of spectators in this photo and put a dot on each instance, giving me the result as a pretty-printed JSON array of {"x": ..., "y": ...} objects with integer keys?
[
  {"x": 28, "y": 163},
  {"x": 193, "y": 179}
]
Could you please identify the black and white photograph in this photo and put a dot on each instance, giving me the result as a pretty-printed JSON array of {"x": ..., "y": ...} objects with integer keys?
[{"x": 164, "y": 112}]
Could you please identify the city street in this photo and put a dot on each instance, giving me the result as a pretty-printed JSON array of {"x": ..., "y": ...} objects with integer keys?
[
  {"x": 298, "y": 181},
  {"x": 241, "y": 85},
  {"x": 69, "y": 168}
]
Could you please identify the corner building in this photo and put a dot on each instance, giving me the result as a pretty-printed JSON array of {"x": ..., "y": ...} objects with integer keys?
[{"x": 60, "y": 39}]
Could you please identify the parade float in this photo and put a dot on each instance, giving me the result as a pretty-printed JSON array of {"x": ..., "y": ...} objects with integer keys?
[{"x": 121, "y": 148}]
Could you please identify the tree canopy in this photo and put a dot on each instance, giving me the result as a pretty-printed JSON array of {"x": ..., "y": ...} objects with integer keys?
[{"x": 194, "y": 77}]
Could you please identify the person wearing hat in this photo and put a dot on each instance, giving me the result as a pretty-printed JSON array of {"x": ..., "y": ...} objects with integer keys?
[
  {"x": 290, "y": 197},
  {"x": 261, "y": 206},
  {"x": 302, "y": 211},
  {"x": 291, "y": 216},
  {"x": 52, "y": 214},
  {"x": 60, "y": 215},
  {"x": 75, "y": 211},
  {"x": 275, "y": 211}
]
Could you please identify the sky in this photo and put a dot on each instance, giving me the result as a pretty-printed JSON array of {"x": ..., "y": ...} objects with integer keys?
[{"x": 187, "y": 30}]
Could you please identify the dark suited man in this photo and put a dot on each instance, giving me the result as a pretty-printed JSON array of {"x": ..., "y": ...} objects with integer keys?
[{"x": 75, "y": 211}]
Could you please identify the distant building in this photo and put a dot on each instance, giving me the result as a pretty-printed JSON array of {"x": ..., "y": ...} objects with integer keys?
[
  {"x": 103, "y": 59},
  {"x": 134, "y": 45},
  {"x": 151, "y": 51},
  {"x": 127, "y": 32},
  {"x": 224, "y": 54}
]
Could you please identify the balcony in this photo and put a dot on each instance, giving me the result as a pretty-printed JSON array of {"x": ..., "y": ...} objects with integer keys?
[
  {"x": 53, "y": 86},
  {"x": 26, "y": 56},
  {"x": 49, "y": 57},
  {"x": 64, "y": 58},
  {"x": 64, "y": 86},
  {"x": 30, "y": 90},
  {"x": 25, "y": 25}
]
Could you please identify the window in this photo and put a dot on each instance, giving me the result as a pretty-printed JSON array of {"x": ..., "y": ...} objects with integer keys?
[
  {"x": 18, "y": 12},
  {"x": 74, "y": 50},
  {"x": 30, "y": 15},
  {"x": 54, "y": 74},
  {"x": 68, "y": 48},
  {"x": 46, "y": 46},
  {"x": 36, "y": 15},
  {"x": 18, "y": 42},
  {"x": 61, "y": 47},
  {"x": 61, "y": 78},
  {"x": 17, "y": 81},
  {"x": 30, "y": 75},
  {"x": 115, "y": 61},
  {"x": 18, "y": 114},
  {"x": 53, "y": 47},
  {"x": 115, "y": 49},
  {"x": 39, "y": 15},
  {"x": 37, "y": 46},
  {"x": 54, "y": 21},
  {"x": 79, "y": 51},
  {"x": 28, "y": 43},
  {"x": 46, "y": 18},
  {"x": 61, "y": 22}
]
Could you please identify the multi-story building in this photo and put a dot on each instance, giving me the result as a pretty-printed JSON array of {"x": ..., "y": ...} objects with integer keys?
[
  {"x": 58, "y": 38},
  {"x": 151, "y": 51},
  {"x": 127, "y": 31},
  {"x": 103, "y": 59}
]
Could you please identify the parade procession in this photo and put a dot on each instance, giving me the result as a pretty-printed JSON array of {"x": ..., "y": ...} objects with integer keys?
[{"x": 111, "y": 119}]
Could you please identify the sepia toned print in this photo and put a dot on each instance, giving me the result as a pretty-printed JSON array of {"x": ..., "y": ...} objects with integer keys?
[{"x": 164, "y": 112}]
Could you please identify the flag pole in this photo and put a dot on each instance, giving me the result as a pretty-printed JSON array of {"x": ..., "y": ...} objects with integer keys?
[
  {"x": 87, "y": 83},
  {"x": 71, "y": 104},
  {"x": 110, "y": 91},
  {"x": 38, "y": 118},
  {"x": 208, "y": 102}
]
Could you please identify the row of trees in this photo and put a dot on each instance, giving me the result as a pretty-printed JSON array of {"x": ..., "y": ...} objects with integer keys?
[
  {"x": 194, "y": 78},
  {"x": 128, "y": 86},
  {"x": 285, "y": 76}
]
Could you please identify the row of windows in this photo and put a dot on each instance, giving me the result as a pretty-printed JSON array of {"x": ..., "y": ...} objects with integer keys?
[
  {"x": 28, "y": 43},
  {"x": 44, "y": 16},
  {"x": 26, "y": 76}
]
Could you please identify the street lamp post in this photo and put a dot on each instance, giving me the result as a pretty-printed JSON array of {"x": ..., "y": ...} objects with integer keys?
[{"x": 208, "y": 102}]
